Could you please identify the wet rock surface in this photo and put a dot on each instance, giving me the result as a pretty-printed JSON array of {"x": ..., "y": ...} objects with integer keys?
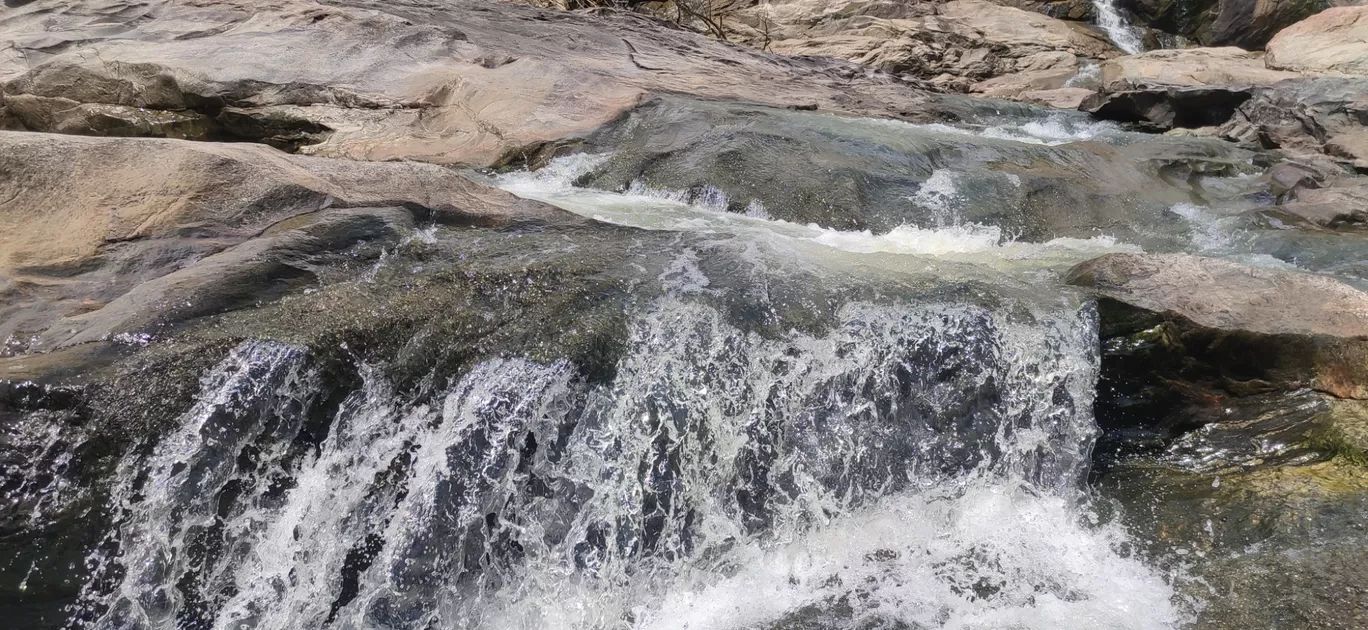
[
  {"x": 787, "y": 291},
  {"x": 878, "y": 176},
  {"x": 112, "y": 236}
]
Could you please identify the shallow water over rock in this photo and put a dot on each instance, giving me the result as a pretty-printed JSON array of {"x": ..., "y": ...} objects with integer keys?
[{"x": 761, "y": 369}]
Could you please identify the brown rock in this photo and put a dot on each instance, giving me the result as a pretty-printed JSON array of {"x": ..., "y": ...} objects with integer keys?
[
  {"x": 1193, "y": 66},
  {"x": 1351, "y": 145},
  {"x": 88, "y": 219},
  {"x": 1334, "y": 41},
  {"x": 970, "y": 40},
  {"x": 451, "y": 81},
  {"x": 1271, "y": 326},
  {"x": 1062, "y": 98},
  {"x": 1344, "y": 203},
  {"x": 1302, "y": 114}
]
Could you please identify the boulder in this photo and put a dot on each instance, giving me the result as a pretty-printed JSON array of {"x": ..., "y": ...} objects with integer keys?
[
  {"x": 451, "y": 81},
  {"x": 1076, "y": 10},
  {"x": 1229, "y": 326},
  {"x": 1334, "y": 41},
  {"x": 1193, "y": 66},
  {"x": 1303, "y": 114},
  {"x": 1165, "y": 106},
  {"x": 1341, "y": 204},
  {"x": 1061, "y": 98},
  {"x": 89, "y": 219},
  {"x": 968, "y": 40}
]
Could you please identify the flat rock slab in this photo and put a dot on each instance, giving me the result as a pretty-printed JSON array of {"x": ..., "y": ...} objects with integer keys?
[
  {"x": 451, "y": 81},
  {"x": 1194, "y": 66},
  {"x": 1288, "y": 327}
]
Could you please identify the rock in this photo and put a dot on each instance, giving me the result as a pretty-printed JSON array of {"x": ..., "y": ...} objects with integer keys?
[
  {"x": 1165, "y": 106},
  {"x": 1076, "y": 10},
  {"x": 88, "y": 219},
  {"x": 1193, "y": 66},
  {"x": 874, "y": 175},
  {"x": 1302, "y": 114},
  {"x": 1042, "y": 71},
  {"x": 1247, "y": 24},
  {"x": 1027, "y": 31},
  {"x": 1352, "y": 145},
  {"x": 1343, "y": 203},
  {"x": 1334, "y": 41},
  {"x": 969, "y": 40},
  {"x": 451, "y": 81},
  {"x": 1062, "y": 98},
  {"x": 63, "y": 115},
  {"x": 1271, "y": 499},
  {"x": 1245, "y": 329}
]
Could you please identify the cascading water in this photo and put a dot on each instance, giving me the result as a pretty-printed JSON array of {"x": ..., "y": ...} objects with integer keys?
[
  {"x": 911, "y": 462},
  {"x": 1118, "y": 28}
]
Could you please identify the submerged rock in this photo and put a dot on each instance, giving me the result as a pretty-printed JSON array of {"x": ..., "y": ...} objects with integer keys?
[
  {"x": 860, "y": 174},
  {"x": 1270, "y": 499}
]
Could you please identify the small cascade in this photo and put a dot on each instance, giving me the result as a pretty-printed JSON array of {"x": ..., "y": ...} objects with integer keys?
[
  {"x": 1122, "y": 33},
  {"x": 881, "y": 472}
]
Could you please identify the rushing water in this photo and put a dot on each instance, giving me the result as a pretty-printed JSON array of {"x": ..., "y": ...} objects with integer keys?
[
  {"x": 802, "y": 427},
  {"x": 915, "y": 462},
  {"x": 1121, "y": 31}
]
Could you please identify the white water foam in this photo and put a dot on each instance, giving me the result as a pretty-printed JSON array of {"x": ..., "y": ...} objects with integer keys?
[
  {"x": 648, "y": 208},
  {"x": 1052, "y": 131}
]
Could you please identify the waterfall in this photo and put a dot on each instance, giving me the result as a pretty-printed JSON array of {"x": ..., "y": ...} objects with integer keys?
[
  {"x": 885, "y": 470},
  {"x": 1122, "y": 33}
]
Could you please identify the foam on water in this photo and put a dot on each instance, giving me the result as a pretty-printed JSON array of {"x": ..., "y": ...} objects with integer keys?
[
  {"x": 918, "y": 464},
  {"x": 644, "y": 207},
  {"x": 1054, "y": 130}
]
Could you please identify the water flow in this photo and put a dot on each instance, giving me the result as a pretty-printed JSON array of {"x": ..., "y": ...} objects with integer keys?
[
  {"x": 1122, "y": 33},
  {"x": 912, "y": 462},
  {"x": 913, "y": 465}
]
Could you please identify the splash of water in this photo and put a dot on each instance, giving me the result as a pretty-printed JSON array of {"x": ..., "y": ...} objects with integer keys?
[{"x": 911, "y": 464}]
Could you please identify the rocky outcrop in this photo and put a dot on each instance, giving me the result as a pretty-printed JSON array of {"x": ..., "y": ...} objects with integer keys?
[
  {"x": 454, "y": 81},
  {"x": 851, "y": 174},
  {"x": 1343, "y": 203},
  {"x": 1323, "y": 114},
  {"x": 111, "y": 235},
  {"x": 1248, "y": 24},
  {"x": 955, "y": 44},
  {"x": 1197, "y": 322},
  {"x": 1334, "y": 41},
  {"x": 1193, "y": 66},
  {"x": 1163, "y": 106}
]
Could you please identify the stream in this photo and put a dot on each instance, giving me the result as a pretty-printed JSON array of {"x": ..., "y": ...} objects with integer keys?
[{"x": 775, "y": 369}]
